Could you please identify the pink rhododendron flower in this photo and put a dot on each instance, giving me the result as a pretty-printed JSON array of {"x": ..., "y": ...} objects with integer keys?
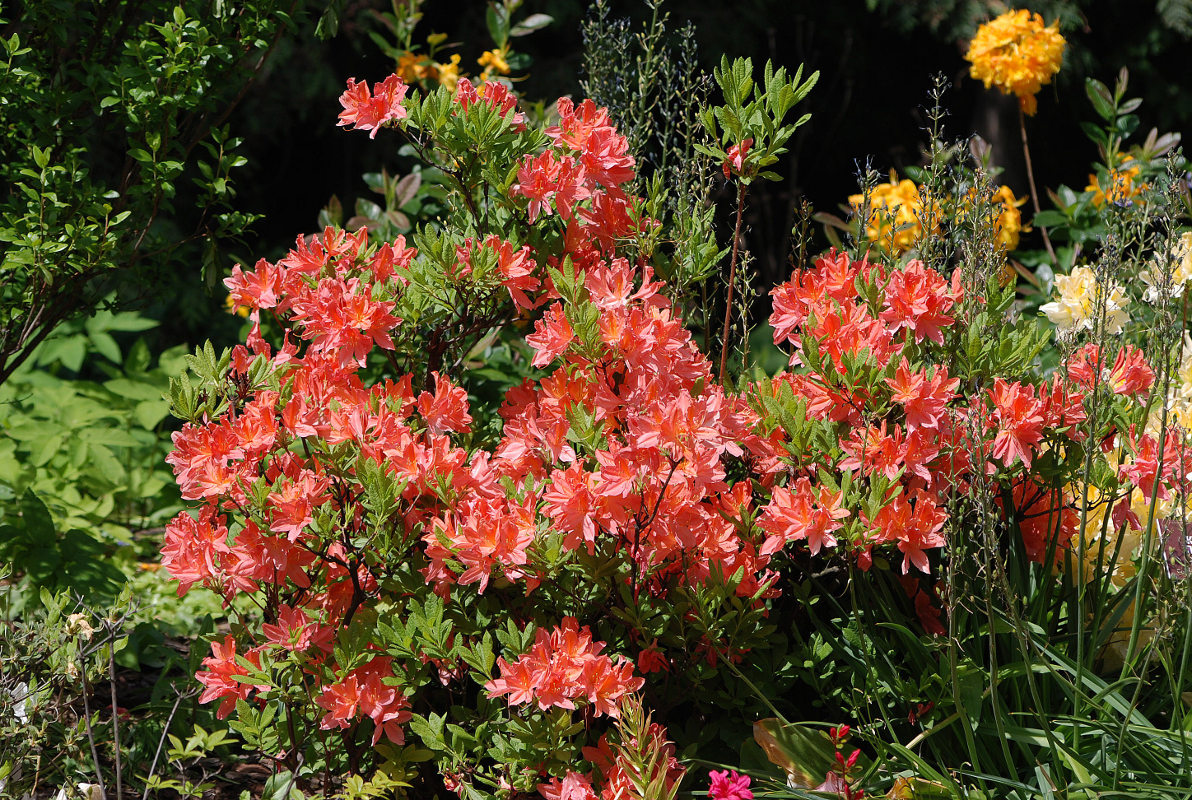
[{"x": 728, "y": 785}]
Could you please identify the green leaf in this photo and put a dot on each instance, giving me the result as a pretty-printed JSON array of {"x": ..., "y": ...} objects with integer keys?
[
  {"x": 111, "y": 468},
  {"x": 1101, "y": 98},
  {"x": 133, "y": 390},
  {"x": 42, "y": 450},
  {"x": 805, "y": 754},
  {"x": 106, "y": 346},
  {"x": 150, "y": 413},
  {"x": 497, "y": 21},
  {"x": 531, "y": 23},
  {"x": 1049, "y": 219}
]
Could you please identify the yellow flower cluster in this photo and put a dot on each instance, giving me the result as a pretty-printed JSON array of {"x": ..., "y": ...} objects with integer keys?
[
  {"x": 896, "y": 214},
  {"x": 494, "y": 63},
  {"x": 1017, "y": 53},
  {"x": 414, "y": 67},
  {"x": 1008, "y": 223},
  {"x": 1122, "y": 185},
  {"x": 1179, "y": 396},
  {"x": 1113, "y": 550},
  {"x": 899, "y": 215},
  {"x": 1079, "y": 296}
]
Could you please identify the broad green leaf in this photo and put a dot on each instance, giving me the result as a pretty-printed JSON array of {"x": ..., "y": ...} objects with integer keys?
[{"x": 805, "y": 754}]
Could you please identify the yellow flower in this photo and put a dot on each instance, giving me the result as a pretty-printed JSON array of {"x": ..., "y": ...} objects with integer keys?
[
  {"x": 1017, "y": 53},
  {"x": 1004, "y": 216},
  {"x": 493, "y": 61},
  {"x": 1079, "y": 296},
  {"x": 1179, "y": 397},
  {"x": 230, "y": 305},
  {"x": 1120, "y": 187},
  {"x": 1009, "y": 219},
  {"x": 448, "y": 73},
  {"x": 896, "y": 214},
  {"x": 1112, "y": 549},
  {"x": 409, "y": 67}
]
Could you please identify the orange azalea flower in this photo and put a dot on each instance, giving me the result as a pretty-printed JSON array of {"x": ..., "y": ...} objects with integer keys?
[
  {"x": 898, "y": 215},
  {"x": 220, "y": 677},
  {"x": 1018, "y": 416},
  {"x": 563, "y": 666},
  {"x": 1017, "y": 53},
  {"x": 1122, "y": 185},
  {"x": 366, "y": 111}
]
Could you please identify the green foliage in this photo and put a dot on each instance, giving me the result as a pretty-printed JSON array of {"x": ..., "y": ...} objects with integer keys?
[
  {"x": 1176, "y": 14},
  {"x": 82, "y": 461},
  {"x": 755, "y": 112},
  {"x": 112, "y": 144},
  {"x": 52, "y": 659}
]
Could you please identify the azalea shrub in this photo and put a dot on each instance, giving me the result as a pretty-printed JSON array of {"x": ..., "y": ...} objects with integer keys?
[{"x": 580, "y": 574}]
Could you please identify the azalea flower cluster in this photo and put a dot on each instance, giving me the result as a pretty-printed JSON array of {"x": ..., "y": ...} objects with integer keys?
[
  {"x": 900, "y": 213},
  {"x": 563, "y": 666},
  {"x": 1081, "y": 296},
  {"x": 1121, "y": 185},
  {"x": 847, "y": 319},
  {"x": 277, "y": 475},
  {"x": 590, "y": 161},
  {"x": 339, "y": 492},
  {"x": 1017, "y": 53}
]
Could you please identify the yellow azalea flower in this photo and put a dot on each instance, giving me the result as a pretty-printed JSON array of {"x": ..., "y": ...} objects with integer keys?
[
  {"x": 230, "y": 305},
  {"x": 1005, "y": 217},
  {"x": 1120, "y": 185},
  {"x": 896, "y": 214},
  {"x": 1115, "y": 550},
  {"x": 1009, "y": 219},
  {"x": 448, "y": 74},
  {"x": 493, "y": 61},
  {"x": 1079, "y": 296},
  {"x": 408, "y": 68},
  {"x": 1179, "y": 396},
  {"x": 1017, "y": 53},
  {"x": 413, "y": 67}
]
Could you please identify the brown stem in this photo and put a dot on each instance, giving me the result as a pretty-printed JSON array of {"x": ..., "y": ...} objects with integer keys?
[
  {"x": 732, "y": 279},
  {"x": 165, "y": 732},
  {"x": 90, "y": 732},
  {"x": 1030, "y": 177},
  {"x": 115, "y": 717}
]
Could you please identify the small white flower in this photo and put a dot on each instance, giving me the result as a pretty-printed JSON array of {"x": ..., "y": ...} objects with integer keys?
[
  {"x": 91, "y": 791},
  {"x": 1181, "y": 272},
  {"x": 20, "y": 702}
]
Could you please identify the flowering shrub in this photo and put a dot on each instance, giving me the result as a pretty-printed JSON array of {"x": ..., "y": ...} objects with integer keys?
[
  {"x": 386, "y": 537},
  {"x": 436, "y": 589}
]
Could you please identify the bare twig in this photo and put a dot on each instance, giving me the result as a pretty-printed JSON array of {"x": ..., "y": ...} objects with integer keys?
[
  {"x": 165, "y": 732},
  {"x": 732, "y": 279},
  {"x": 115, "y": 715},
  {"x": 1030, "y": 177},
  {"x": 90, "y": 733}
]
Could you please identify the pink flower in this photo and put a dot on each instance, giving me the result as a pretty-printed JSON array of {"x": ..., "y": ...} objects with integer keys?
[
  {"x": 735, "y": 163},
  {"x": 368, "y": 111},
  {"x": 728, "y": 785}
]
